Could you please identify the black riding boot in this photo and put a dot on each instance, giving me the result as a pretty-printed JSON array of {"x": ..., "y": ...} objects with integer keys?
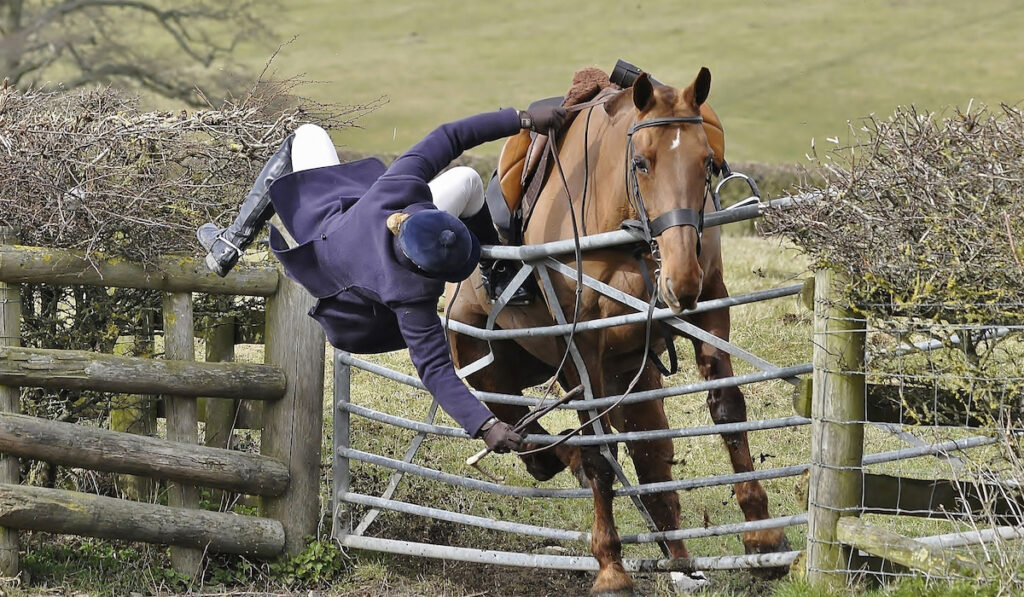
[
  {"x": 496, "y": 274},
  {"x": 226, "y": 245}
]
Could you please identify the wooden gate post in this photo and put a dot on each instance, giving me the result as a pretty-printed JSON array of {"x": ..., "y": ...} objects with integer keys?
[
  {"x": 837, "y": 431},
  {"x": 293, "y": 425},
  {"x": 182, "y": 416},
  {"x": 10, "y": 335}
]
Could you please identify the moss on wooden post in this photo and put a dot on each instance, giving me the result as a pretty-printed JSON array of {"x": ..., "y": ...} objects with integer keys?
[
  {"x": 293, "y": 425},
  {"x": 837, "y": 431},
  {"x": 182, "y": 417},
  {"x": 219, "y": 415},
  {"x": 136, "y": 414},
  {"x": 10, "y": 335}
]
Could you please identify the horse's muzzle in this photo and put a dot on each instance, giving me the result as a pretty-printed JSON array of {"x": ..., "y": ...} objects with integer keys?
[{"x": 679, "y": 303}]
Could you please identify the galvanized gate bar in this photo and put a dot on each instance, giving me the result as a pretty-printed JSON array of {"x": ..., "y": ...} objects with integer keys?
[
  {"x": 677, "y": 485},
  {"x": 635, "y": 397},
  {"x": 516, "y": 491},
  {"x": 599, "y": 324},
  {"x": 683, "y": 326},
  {"x": 581, "y": 563},
  {"x": 756, "y": 425},
  {"x": 606, "y": 240},
  {"x": 565, "y": 534},
  {"x": 467, "y": 519}
]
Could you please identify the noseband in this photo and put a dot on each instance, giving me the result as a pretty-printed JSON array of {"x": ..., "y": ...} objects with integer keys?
[{"x": 683, "y": 216}]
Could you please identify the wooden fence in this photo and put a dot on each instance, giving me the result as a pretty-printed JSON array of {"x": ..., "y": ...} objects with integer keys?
[{"x": 289, "y": 385}]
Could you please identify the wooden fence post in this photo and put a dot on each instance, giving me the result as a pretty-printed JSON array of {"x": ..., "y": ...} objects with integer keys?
[
  {"x": 182, "y": 416},
  {"x": 10, "y": 467},
  {"x": 137, "y": 415},
  {"x": 837, "y": 431},
  {"x": 293, "y": 425},
  {"x": 219, "y": 419}
]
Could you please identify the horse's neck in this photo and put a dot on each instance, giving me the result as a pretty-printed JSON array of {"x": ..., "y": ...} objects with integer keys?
[
  {"x": 592, "y": 157},
  {"x": 607, "y": 205}
]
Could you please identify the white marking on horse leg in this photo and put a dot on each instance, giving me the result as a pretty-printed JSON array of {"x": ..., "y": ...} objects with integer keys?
[{"x": 675, "y": 142}]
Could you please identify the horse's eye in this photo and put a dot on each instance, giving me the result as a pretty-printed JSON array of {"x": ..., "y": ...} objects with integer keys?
[{"x": 640, "y": 164}]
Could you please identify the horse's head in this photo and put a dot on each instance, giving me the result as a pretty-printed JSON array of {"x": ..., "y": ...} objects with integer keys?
[{"x": 668, "y": 168}]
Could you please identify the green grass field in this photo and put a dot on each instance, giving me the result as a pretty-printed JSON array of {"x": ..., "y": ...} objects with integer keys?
[{"x": 784, "y": 72}]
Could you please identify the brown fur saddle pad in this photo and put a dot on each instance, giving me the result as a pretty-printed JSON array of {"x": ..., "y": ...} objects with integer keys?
[{"x": 521, "y": 153}]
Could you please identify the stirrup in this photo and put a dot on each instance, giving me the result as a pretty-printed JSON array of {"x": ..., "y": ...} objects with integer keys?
[{"x": 496, "y": 279}]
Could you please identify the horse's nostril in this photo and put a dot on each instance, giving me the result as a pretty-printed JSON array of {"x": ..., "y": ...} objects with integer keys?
[{"x": 669, "y": 296}]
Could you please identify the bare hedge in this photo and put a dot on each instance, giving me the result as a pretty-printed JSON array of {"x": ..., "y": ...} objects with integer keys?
[
  {"x": 91, "y": 170},
  {"x": 924, "y": 215}
]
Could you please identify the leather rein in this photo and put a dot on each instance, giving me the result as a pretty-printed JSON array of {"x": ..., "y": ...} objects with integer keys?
[{"x": 649, "y": 229}]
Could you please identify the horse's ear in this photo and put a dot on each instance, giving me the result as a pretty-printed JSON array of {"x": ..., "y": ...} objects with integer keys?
[
  {"x": 643, "y": 92},
  {"x": 698, "y": 91}
]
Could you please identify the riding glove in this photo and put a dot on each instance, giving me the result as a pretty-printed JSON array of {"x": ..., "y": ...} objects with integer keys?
[
  {"x": 499, "y": 436},
  {"x": 543, "y": 118}
]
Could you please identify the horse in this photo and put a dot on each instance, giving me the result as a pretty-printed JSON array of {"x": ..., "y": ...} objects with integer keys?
[{"x": 653, "y": 134}]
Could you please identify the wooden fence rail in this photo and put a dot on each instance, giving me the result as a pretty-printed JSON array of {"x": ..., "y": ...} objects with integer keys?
[
  {"x": 79, "y": 446},
  {"x": 75, "y": 513},
  {"x": 286, "y": 474},
  {"x": 40, "y": 265},
  {"x": 82, "y": 370}
]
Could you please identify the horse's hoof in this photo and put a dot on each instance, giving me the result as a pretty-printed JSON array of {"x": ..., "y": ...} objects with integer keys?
[
  {"x": 616, "y": 593},
  {"x": 581, "y": 477},
  {"x": 689, "y": 582},
  {"x": 770, "y": 573},
  {"x": 543, "y": 465},
  {"x": 612, "y": 581}
]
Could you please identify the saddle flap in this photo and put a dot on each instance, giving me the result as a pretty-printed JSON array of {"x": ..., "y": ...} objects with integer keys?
[{"x": 512, "y": 167}]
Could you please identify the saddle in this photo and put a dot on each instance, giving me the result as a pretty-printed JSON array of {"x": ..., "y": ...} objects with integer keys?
[{"x": 520, "y": 157}]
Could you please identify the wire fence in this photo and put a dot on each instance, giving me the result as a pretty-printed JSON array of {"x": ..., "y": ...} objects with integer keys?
[{"x": 950, "y": 392}]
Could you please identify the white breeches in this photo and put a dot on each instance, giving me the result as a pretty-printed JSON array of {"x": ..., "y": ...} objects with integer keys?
[
  {"x": 312, "y": 148},
  {"x": 458, "y": 191}
]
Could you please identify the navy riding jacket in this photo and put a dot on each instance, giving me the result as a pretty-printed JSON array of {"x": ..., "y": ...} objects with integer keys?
[{"x": 367, "y": 301}]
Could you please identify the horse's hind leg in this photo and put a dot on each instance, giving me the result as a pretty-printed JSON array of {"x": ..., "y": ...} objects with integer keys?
[
  {"x": 727, "y": 405},
  {"x": 513, "y": 369},
  {"x": 653, "y": 459}
]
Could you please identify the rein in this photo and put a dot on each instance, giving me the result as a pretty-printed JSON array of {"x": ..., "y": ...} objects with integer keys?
[{"x": 650, "y": 229}]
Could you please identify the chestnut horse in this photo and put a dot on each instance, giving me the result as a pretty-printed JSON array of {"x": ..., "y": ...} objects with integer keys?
[{"x": 653, "y": 134}]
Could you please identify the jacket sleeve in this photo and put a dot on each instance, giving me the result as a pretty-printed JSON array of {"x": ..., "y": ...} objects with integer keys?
[
  {"x": 424, "y": 335},
  {"x": 445, "y": 143}
]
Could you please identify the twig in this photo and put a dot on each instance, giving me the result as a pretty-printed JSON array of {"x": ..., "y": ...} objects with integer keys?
[{"x": 1013, "y": 245}]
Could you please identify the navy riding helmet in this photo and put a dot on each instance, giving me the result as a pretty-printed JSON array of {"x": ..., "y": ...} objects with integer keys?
[{"x": 438, "y": 244}]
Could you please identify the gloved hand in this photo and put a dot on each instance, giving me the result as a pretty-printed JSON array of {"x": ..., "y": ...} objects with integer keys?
[
  {"x": 543, "y": 118},
  {"x": 499, "y": 437}
]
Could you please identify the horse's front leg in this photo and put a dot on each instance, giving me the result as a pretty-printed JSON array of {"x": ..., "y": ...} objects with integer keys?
[
  {"x": 612, "y": 579},
  {"x": 604, "y": 542},
  {"x": 652, "y": 459},
  {"x": 727, "y": 405}
]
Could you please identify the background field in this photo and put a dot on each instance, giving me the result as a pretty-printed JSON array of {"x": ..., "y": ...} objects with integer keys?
[{"x": 784, "y": 72}]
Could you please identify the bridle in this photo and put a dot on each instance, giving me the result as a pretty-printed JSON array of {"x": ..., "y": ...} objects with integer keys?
[
  {"x": 681, "y": 216},
  {"x": 650, "y": 229}
]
